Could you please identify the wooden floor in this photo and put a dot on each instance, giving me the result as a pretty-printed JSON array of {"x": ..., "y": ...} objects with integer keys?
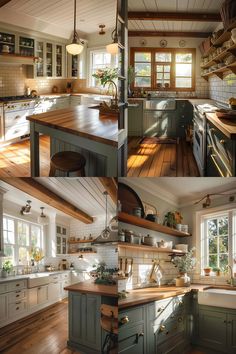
[
  {"x": 159, "y": 160},
  {"x": 44, "y": 333},
  {"x": 15, "y": 159}
]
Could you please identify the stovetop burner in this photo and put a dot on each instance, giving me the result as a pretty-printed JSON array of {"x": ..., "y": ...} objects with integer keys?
[
  {"x": 15, "y": 98},
  {"x": 209, "y": 107}
]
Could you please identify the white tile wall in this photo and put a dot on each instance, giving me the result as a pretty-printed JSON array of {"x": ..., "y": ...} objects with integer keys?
[
  {"x": 222, "y": 90},
  {"x": 12, "y": 80}
]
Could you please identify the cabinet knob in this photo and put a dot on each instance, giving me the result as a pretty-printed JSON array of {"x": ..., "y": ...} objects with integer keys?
[
  {"x": 162, "y": 328},
  {"x": 222, "y": 141},
  {"x": 160, "y": 309},
  {"x": 180, "y": 319},
  {"x": 141, "y": 334},
  {"x": 124, "y": 320}
]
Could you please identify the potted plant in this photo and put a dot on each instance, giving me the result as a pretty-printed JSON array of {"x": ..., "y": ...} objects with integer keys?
[
  {"x": 185, "y": 264},
  {"x": 6, "y": 268},
  {"x": 107, "y": 76},
  {"x": 217, "y": 271},
  {"x": 131, "y": 78},
  {"x": 169, "y": 220},
  {"x": 207, "y": 271}
]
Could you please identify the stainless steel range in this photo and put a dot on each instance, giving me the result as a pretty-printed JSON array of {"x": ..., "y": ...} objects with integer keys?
[
  {"x": 16, "y": 127},
  {"x": 199, "y": 133}
]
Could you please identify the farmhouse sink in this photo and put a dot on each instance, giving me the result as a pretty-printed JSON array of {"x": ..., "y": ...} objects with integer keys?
[
  {"x": 38, "y": 279},
  {"x": 218, "y": 297},
  {"x": 161, "y": 104}
]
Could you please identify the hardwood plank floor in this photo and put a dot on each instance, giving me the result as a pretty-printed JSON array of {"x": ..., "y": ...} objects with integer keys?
[
  {"x": 159, "y": 160},
  {"x": 15, "y": 159},
  {"x": 43, "y": 333}
]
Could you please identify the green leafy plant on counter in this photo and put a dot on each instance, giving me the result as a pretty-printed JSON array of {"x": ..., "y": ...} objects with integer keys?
[
  {"x": 104, "y": 275},
  {"x": 7, "y": 266},
  {"x": 185, "y": 263},
  {"x": 106, "y": 75}
]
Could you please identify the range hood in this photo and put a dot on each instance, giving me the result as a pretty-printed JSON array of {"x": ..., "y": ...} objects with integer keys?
[
  {"x": 100, "y": 241},
  {"x": 14, "y": 59}
]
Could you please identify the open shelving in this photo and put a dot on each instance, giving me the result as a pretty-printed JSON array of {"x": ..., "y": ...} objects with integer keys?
[
  {"x": 146, "y": 224},
  {"x": 81, "y": 241},
  {"x": 149, "y": 248}
]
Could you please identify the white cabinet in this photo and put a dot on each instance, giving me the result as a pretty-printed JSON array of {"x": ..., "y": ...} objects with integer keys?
[
  {"x": 75, "y": 101},
  {"x": 3, "y": 308},
  {"x": 78, "y": 276},
  {"x": 54, "y": 291},
  {"x": 37, "y": 296},
  {"x": 61, "y": 239}
]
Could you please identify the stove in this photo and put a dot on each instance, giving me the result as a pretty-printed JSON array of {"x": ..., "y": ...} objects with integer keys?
[{"x": 15, "y": 98}]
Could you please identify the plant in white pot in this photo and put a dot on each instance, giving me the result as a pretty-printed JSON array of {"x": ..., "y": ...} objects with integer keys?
[
  {"x": 185, "y": 264},
  {"x": 6, "y": 268}
]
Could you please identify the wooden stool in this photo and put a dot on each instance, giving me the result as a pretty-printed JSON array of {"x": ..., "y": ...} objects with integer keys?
[
  {"x": 67, "y": 161},
  {"x": 109, "y": 323}
]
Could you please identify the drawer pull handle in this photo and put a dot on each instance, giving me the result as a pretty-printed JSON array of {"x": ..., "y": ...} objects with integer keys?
[
  {"x": 17, "y": 284},
  {"x": 180, "y": 319},
  {"x": 162, "y": 328},
  {"x": 160, "y": 309},
  {"x": 18, "y": 295},
  {"x": 138, "y": 335},
  {"x": 17, "y": 308},
  {"x": 19, "y": 302},
  {"x": 124, "y": 320}
]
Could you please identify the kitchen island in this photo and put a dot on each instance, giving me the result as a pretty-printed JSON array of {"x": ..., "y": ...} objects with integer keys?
[
  {"x": 80, "y": 129},
  {"x": 85, "y": 299}
]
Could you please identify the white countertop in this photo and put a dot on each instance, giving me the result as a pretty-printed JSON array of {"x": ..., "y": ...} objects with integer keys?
[{"x": 32, "y": 275}]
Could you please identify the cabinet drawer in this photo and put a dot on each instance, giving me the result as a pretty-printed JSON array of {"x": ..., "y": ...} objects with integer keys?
[
  {"x": 131, "y": 341},
  {"x": 180, "y": 304},
  {"x": 16, "y": 131},
  {"x": 17, "y": 308},
  {"x": 3, "y": 288},
  {"x": 17, "y": 285},
  {"x": 131, "y": 317},
  {"x": 160, "y": 310},
  {"x": 65, "y": 276},
  {"x": 168, "y": 329},
  {"x": 54, "y": 278},
  {"x": 16, "y": 296},
  {"x": 177, "y": 345}
]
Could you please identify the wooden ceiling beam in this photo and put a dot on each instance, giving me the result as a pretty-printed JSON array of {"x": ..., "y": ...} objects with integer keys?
[
  {"x": 110, "y": 185},
  {"x": 4, "y": 2},
  {"x": 168, "y": 34},
  {"x": 174, "y": 16},
  {"x": 45, "y": 195}
]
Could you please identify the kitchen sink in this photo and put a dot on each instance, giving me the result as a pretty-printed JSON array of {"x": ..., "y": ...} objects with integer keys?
[
  {"x": 218, "y": 297},
  {"x": 161, "y": 104},
  {"x": 38, "y": 279}
]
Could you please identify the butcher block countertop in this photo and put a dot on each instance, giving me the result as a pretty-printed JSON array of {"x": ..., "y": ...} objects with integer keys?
[
  {"x": 226, "y": 126},
  {"x": 146, "y": 295},
  {"x": 89, "y": 287},
  {"x": 82, "y": 121}
]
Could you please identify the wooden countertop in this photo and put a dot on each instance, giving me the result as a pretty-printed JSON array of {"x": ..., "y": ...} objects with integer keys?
[
  {"x": 82, "y": 121},
  {"x": 145, "y": 295},
  {"x": 89, "y": 287},
  {"x": 226, "y": 126}
]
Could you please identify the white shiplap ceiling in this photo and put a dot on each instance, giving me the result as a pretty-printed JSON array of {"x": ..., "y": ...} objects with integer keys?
[
  {"x": 84, "y": 193},
  {"x": 55, "y": 17},
  {"x": 188, "y": 6}
]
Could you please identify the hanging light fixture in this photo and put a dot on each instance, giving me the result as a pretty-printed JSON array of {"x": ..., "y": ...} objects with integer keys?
[
  {"x": 26, "y": 210},
  {"x": 106, "y": 232},
  {"x": 43, "y": 219},
  {"x": 113, "y": 48},
  {"x": 76, "y": 47}
]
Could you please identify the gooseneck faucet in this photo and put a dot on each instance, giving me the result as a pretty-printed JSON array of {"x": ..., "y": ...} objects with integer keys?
[{"x": 231, "y": 279}]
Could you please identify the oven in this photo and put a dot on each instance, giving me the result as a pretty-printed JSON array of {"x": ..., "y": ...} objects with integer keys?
[
  {"x": 16, "y": 127},
  {"x": 199, "y": 140}
]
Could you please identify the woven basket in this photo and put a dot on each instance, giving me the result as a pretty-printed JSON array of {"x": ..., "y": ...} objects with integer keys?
[{"x": 228, "y": 13}]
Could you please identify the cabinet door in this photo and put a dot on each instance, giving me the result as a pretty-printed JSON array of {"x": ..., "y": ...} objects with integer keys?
[
  {"x": 42, "y": 294},
  {"x": 212, "y": 329},
  {"x": 135, "y": 119},
  {"x": 39, "y": 51},
  {"x": 3, "y": 308},
  {"x": 49, "y": 60},
  {"x": 133, "y": 341},
  {"x": 59, "y": 60},
  {"x": 150, "y": 125},
  {"x": 54, "y": 291},
  {"x": 231, "y": 333}
]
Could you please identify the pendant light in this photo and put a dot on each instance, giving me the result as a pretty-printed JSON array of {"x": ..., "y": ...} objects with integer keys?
[
  {"x": 43, "y": 219},
  {"x": 26, "y": 210},
  {"x": 113, "y": 48},
  {"x": 76, "y": 47},
  {"x": 106, "y": 232}
]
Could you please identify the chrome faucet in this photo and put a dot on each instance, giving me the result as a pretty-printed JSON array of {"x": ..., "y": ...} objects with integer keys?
[{"x": 230, "y": 281}]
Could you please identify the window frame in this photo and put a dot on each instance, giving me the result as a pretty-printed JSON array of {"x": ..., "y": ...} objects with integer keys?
[
  {"x": 201, "y": 217},
  {"x": 173, "y": 52},
  {"x": 16, "y": 245},
  {"x": 91, "y": 51}
]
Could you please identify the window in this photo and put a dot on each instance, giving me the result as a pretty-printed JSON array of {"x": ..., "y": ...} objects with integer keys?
[
  {"x": 19, "y": 237},
  {"x": 164, "y": 69},
  {"x": 218, "y": 240},
  {"x": 100, "y": 59}
]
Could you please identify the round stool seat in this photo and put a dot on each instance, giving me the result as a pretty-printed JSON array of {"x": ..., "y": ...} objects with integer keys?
[{"x": 67, "y": 161}]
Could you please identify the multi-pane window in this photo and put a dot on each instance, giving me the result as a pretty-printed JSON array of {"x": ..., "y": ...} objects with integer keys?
[
  {"x": 100, "y": 59},
  {"x": 163, "y": 69},
  {"x": 19, "y": 237},
  {"x": 218, "y": 240}
]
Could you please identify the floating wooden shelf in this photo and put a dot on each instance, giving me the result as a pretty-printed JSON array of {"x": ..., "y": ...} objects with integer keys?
[
  {"x": 219, "y": 57},
  {"x": 134, "y": 220},
  {"x": 219, "y": 72},
  {"x": 148, "y": 248},
  {"x": 75, "y": 253},
  {"x": 81, "y": 241}
]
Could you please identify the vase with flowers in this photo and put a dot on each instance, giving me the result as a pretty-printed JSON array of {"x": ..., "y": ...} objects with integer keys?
[
  {"x": 36, "y": 255},
  {"x": 185, "y": 264},
  {"x": 6, "y": 268}
]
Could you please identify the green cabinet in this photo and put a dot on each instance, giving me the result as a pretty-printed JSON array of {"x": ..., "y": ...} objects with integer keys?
[
  {"x": 184, "y": 117},
  {"x": 159, "y": 123},
  {"x": 84, "y": 322},
  {"x": 132, "y": 330},
  {"x": 217, "y": 329},
  {"x": 135, "y": 118}
]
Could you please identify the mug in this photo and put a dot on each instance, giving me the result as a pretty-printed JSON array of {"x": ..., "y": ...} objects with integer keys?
[{"x": 5, "y": 48}]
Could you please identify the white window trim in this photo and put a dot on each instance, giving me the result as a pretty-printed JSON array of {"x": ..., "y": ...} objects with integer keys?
[
  {"x": 199, "y": 231},
  {"x": 89, "y": 62},
  {"x": 16, "y": 245}
]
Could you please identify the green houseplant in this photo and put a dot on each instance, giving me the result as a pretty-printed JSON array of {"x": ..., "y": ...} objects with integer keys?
[
  {"x": 6, "y": 268},
  {"x": 185, "y": 264}
]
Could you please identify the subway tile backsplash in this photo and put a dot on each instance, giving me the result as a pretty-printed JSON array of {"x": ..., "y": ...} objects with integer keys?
[
  {"x": 222, "y": 90},
  {"x": 12, "y": 80}
]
